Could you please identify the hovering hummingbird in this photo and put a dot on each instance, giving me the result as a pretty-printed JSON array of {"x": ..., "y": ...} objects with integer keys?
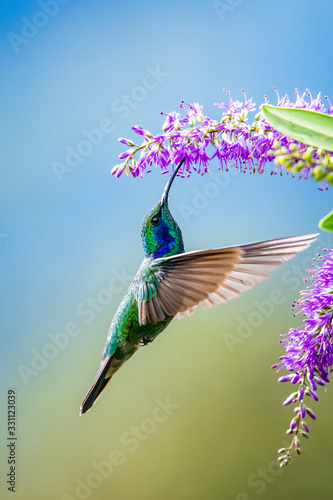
[{"x": 171, "y": 283}]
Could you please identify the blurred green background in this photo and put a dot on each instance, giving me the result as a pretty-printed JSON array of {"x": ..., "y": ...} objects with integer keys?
[{"x": 197, "y": 414}]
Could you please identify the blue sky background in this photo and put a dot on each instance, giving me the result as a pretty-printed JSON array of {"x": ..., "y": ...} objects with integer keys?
[{"x": 63, "y": 240}]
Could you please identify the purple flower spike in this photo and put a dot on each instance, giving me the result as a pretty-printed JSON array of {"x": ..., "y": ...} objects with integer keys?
[
  {"x": 309, "y": 348},
  {"x": 233, "y": 139}
]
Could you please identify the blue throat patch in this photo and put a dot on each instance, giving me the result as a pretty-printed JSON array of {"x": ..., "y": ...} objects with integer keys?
[{"x": 163, "y": 239}]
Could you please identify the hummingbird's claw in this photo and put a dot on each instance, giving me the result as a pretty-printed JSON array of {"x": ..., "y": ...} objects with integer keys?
[{"x": 145, "y": 341}]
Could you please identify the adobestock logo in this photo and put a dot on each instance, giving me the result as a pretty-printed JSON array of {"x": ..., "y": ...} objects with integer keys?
[
  {"x": 222, "y": 8},
  {"x": 57, "y": 342},
  {"x": 31, "y": 27},
  {"x": 256, "y": 318},
  {"x": 260, "y": 480},
  {"x": 129, "y": 442},
  {"x": 216, "y": 182},
  {"x": 292, "y": 279},
  {"x": 74, "y": 156},
  {"x": 121, "y": 106}
]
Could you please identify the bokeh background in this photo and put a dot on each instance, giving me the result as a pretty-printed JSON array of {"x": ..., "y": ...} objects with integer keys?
[{"x": 70, "y": 244}]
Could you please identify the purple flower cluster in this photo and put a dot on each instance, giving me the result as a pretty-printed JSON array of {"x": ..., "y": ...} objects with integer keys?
[
  {"x": 232, "y": 140},
  {"x": 309, "y": 350}
]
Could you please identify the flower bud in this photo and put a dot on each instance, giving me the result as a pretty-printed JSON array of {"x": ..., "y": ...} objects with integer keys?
[
  {"x": 128, "y": 142},
  {"x": 118, "y": 170},
  {"x": 126, "y": 154},
  {"x": 286, "y": 378},
  {"x": 311, "y": 413},
  {"x": 314, "y": 395},
  {"x": 290, "y": 399},
  {"x": 293, "y": 424},
  {"x": 301, "y": 393}
]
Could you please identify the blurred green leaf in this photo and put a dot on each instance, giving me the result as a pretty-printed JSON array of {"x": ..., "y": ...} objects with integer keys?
[
  {"x": 327, "y": 222},
  {"x": 308, "y": 127}
]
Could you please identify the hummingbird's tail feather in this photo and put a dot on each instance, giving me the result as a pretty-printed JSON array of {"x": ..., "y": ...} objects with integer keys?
[
  {"x": 101, "y": 380},
  {"x": 109, "y": 365}
]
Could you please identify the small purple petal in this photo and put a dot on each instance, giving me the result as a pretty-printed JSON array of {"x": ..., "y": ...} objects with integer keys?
[
  {"x": 125, "y": 141},
  {"x": 125, "y": 154},
  {"x": 116, "y": 169},
  {"x": 319, "y": 381},
  {"x": 313, "y": 384},
  {"x": 139, "y": 130},
  {"x": 311, "y": 413},
  {"x": 289, "y": 400},
  {"x": 301, "y": 394},
  {"x": 314, "y": 395},
  {"x": 293, "y": 424},
  {"x": 286, "y": 378},
  {"x": 305, "y": 427}
]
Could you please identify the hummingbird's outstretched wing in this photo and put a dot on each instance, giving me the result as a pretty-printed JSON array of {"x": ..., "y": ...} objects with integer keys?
[{"x": 207, "y": 277}]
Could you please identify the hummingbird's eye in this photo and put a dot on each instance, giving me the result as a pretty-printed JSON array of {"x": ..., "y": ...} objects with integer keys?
[{"x": 155, "y": 220}]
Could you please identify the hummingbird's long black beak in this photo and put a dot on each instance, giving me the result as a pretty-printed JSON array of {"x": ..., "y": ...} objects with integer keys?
[{"x": 165, "y": 194}]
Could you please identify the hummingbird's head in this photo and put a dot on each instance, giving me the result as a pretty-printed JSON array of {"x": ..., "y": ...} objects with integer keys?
[{"x": 160, "y": 233}]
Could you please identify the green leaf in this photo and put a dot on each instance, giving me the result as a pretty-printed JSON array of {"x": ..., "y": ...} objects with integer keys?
[
  {"x": 308, "y": 127},
  {"x": 327, "y": 222}
]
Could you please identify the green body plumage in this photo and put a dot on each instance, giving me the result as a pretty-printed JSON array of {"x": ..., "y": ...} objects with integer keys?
[{"x": 126, "y": 334}]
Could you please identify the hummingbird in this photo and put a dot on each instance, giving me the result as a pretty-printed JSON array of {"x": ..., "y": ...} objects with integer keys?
[{"x": 172, "y": 283}]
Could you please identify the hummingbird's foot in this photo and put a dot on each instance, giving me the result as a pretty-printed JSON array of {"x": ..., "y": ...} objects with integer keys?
[{"x": 145, "y": 341}]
